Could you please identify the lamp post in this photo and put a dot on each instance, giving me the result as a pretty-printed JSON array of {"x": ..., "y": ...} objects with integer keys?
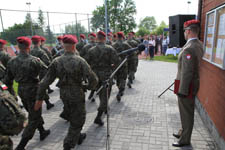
[
  {"x": 188, "y": 2},
  {"x": 31, "y": 29}
]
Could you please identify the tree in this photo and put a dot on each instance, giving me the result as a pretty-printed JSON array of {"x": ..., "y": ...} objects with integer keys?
[
  {"x": 142, "y": 31},
  {"x": 120, "y": 16},
  {"x": 160, "y": 28},
  {"x": 49, "y": 36},
  {"x": 148, "y": 23},
  {"x": 41, "y": 19},
  {"x": 73, "y": 29}
]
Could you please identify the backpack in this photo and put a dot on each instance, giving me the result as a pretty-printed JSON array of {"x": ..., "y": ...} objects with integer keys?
[{"x": 12, "y": 117}]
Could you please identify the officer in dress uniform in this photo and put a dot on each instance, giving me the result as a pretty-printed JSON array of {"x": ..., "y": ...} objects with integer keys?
[{"x": 188, "y": 80}]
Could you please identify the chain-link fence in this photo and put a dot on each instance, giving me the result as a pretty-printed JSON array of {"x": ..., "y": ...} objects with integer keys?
[{"x": 47, "y": 24}]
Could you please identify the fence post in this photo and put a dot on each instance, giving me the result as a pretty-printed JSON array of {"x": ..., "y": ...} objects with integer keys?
[
  {"x": 49, "y": 30},
  {"x": 2, "y": 21},
  {"x": 88, "y": 23},
  {"x": 76, "y": 25}
]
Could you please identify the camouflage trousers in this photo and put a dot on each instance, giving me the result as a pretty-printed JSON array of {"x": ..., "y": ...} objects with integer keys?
[
  {"x": 27, "y": 94},
  {"x": 121, "y": 77},
  {"x": 132, "y": 67},
  {"x": 74, "y": 99},
  {"x": 6, "y": 143}
]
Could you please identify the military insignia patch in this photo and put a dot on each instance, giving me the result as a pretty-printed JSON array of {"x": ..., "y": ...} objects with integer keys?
[
  {"x": 4, "y": 87},
  {"x": 188, "y": 56}
]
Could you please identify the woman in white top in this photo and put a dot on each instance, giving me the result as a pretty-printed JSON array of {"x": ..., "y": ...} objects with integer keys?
[{"x": 151, "y": 45}]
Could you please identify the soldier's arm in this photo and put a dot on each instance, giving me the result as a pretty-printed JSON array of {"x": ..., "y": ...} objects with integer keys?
[
  {"x": 114, "y": 57},
  {"x": 46, "y": 81},
  {"x": 89, "y": 75},
  {"x": 186, "y": 72},
  {"x": 45, "y": 58}
]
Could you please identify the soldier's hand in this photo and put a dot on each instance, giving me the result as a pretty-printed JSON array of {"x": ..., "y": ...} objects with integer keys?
[
  {"x": 38, "y": 105},
  {"x": 181, "y": 95}
]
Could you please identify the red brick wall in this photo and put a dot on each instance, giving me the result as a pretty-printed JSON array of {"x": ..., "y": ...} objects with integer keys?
[{"x": 212, "y": 80}]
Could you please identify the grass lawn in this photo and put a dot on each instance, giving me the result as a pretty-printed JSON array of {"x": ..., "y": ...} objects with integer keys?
[{"x": 168, "y": 58}]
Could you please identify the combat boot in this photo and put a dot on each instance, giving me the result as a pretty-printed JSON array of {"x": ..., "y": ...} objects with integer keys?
[
  {"x": 129, "y": 84},
  {"x": 98, "y": 119},
  {"x": 49, "y": 105},
  {"x": 50, "y": 90},
  {"x": 81, "y": 138},
  {"x": 22, "y": 144},
  {"x": 44, "y": 134},
  {"x": 66, "y": 147},
  {"x": 118, "y": 97}
]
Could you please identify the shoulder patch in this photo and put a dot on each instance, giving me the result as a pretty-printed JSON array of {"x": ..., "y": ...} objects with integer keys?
[{"x": 188, "y": 56}]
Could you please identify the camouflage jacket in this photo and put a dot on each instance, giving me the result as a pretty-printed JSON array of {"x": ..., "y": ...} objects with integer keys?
[
  {"x": 120, "y": 46},
  {"x": 80, "y": 46},
  {"x": 101, "y": 57},
  {"x": 72, "y": 71},
  {"x": 24, "y": 69},
  {"x": 4, "y": 57},
  {"x": 86, "y": 48},
  {"x": 37, "y": 52},
  {"x": 47, "y": 52}
]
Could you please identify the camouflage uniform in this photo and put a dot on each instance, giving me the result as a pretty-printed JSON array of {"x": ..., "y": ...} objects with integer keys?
[
  {"x": 4, "y": 57},
  {"x": 132, "y": 61},
  {"x": 47, "y": 52},
  {"x": 38, "y": 52},
  {"x": 5, "y": 143},
  {"x": 11, "y": 120},
  {"x": 80, "y": 46},
  {"x": 56, "y": 49},
  {"x": 101, "y": 57},
  {"x": 25, "y": 69},
  {"x": 121, "y": 75},
  {"x": 71, "y": 70},
  {"x": 86, "y": 48}
]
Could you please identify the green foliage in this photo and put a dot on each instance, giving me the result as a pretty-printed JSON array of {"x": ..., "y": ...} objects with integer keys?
[
  {"x": 142, "y": 31},
  {"x": 148, "y": 23},
  {"x": 120, "y": 16},
  {"x": 73, "y": 29},
  {"x": 159, "y": 29},
  {"x": 41, "y": 19}
]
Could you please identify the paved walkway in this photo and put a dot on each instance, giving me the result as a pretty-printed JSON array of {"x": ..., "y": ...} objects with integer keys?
[{"x": 141, "y": 121}]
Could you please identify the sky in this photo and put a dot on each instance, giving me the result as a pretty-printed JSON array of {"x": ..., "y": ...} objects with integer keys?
[{"x": 160, "y": 9}]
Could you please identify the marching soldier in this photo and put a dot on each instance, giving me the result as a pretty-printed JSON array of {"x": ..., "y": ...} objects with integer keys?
[
  {"x": 38, "y": 52},
  {"x": 72, "y": 71},
  {"x": 49, "y": 56},
  {"x": 92, "y": 42},
  {"x": 187, "y": 80},
  {"x": 121, "y": 75},
  {"x": 81, "y": 44},
  {"x": 58, "y": 47},
  {"x": 102, "y": 57},
  {"x": 84, "y": 52},
  {"x": 24, "y": 69},
  {"x": 109, "y": 39},
  {"x": 132, "y": 60},
  {"x": 4, "y": 56}
]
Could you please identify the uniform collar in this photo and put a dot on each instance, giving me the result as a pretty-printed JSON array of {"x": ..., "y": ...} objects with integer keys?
[{"x": 191, "y": 39}]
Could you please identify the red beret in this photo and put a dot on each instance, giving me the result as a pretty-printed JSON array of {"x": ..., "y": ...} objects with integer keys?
[
  {"x": 132, "y": 32},
  {"x": 69, "y": 39},
  {"x": 59, "y": 38},
  {"x": 114, "y": 35},
  {"x": 92, "y": 34},
  {"x": 101, "y": 33},
  {"x": 3, "y": 42},
  {"x": 42, "y": 39},
  {"x": 82, "y": 36},
  {"x": 24, "y": 40},
  {"x": 109, "y": 34},
  {"x": 120, "y": 34},
  {"x": 190, "y": 22},
  {"x": 36, "y": 38}
]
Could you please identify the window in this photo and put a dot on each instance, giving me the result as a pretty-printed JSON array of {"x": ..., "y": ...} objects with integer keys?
[{"x": 214, "y": 44}]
